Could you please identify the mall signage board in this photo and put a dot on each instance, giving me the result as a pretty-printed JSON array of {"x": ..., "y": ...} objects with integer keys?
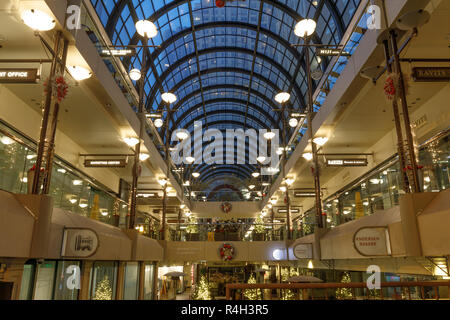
[
  {"x": 347, "y": 162},
  {"x": 303, "y": 194},
  {"x": 372, "y": 241},
  {"x": 302, "y": 251},
  {"x": 326, "y": 52},
  {"x": 79, "y": 242},
  {"x": 117, "y": 53},
  {"x": 431, "y": 74},
  {"x": 105, "y": 163},
  {"x": 18, "y": 75}
]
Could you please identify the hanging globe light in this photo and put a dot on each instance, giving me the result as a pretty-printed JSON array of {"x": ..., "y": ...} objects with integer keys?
[{"x": 305, "y": 27}]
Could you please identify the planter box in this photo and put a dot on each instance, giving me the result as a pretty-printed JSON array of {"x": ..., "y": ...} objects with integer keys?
[
  {"x": 233, "y": 236},
  {"x": 192, "y": 236},
  {"x": 258, "y": 236},
  {"x": 219, "y": 236}
]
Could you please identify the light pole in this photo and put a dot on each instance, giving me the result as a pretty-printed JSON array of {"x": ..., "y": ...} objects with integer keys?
[
  {"x": 304, "y": 29},
  {"x": 147, "y": 30}
]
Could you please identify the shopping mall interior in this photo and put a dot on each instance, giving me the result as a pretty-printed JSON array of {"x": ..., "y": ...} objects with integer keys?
[{"x": 224, "y": 149}]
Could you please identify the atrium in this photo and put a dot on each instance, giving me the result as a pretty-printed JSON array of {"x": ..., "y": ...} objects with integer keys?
[{"x": 224, "y": 149}]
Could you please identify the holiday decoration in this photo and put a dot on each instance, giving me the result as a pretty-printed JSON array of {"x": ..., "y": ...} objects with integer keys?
[
  {"x": 344, "y": 293},
  {"x": 103, "y": 290},
  {"x": 226, "y": 252},
  {"x": 390, "y": 87},
  {"x": 252, "y": 294},
  {"x": 59, "y": 86},
  {"x": 226, "y": 207},
  {"x": 202, "y": 290}
]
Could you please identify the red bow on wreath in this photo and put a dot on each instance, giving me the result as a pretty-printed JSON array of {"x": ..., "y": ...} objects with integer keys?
[
  {"x": 389, "y": 87},
  {"x": 60, "y": 88}
]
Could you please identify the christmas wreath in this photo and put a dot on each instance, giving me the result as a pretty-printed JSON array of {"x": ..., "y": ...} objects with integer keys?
[
  {"x": 390, "y": 88},
  {"x": 226, "y": 207},
  {"x": 226, "y": 252},
  {"x": 59, "y": 86}
]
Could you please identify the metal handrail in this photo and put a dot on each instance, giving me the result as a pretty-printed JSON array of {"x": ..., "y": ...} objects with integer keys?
[{"x": 330, "y": 285}]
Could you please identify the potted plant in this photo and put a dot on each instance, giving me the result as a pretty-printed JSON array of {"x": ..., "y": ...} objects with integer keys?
[
  {"x": 259, "y": 231},
  {"x": 192, "y": 230}
]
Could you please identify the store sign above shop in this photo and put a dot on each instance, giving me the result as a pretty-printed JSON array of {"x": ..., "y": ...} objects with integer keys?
[
  {"x": 118, "y": 52},
  {"x": 79, "y": 243},
  {"x": 302, "y": 251},
  {"x": 304, "y": 194},
  {"x": 346, "y": 162},
  {"x": 431, "y": 74},
  {"x": 105, "y": 163},
  {"x": 18, "y": 75},
  {"x": 285, "y": 210},
  {"x": 331, "y": 52},
  {"x": 372, "y": 241}
]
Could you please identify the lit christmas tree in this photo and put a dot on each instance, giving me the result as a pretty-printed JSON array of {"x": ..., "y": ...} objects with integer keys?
[
  {"x": 103, "y": 290},
  {"x": 286, "y": 273},
  {"x": 252, "y": 294},
  {"x": 344, "y": 293},
  {"x": 202, "y": 290}
]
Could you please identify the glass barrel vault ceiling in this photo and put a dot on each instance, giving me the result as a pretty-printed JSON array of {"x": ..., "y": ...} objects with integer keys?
[{"x": 225, "y": 65}]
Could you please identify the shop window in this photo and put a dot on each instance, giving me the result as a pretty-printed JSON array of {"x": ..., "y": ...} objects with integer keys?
[
  {"x": 67, "y": 281},
  {"x": 149, "y": 281},
  {"x": 131, "y": 281},
  {"x": 45, "y": 280},
  {"x": 103, "y": 281},
  {"x": 26, "y": 287}
]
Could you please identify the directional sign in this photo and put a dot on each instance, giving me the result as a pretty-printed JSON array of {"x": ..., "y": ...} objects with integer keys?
[
  {"x": 105, "y": 163},
  {"x": 325, "y": 52},
  {"x": 431, "y": 74},
  {"x": 347, "y": 162},
  {"x": 117, "y": 52},
  {"x": 18, "y": 75}
]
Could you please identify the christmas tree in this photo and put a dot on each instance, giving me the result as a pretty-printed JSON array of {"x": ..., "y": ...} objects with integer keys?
[
  {"x": 202, "y": 290},
  {"x": 252, "y": 294},
  {"x": 344, "y": 293},
  {"x": 286, "y": 273},
  {"x": 103, "y": 290}
]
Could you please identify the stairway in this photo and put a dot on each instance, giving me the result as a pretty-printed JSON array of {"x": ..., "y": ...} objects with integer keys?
[{"x": 435, "y": 265}]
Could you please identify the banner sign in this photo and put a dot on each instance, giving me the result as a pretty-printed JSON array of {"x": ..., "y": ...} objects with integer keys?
[
  {"x": 324, "y": 52},
  {"x": 105, "y": 163},
  {"x": 117, "y": 52},
  {"x": 304, "y": 194},
  {"x": 79, "y": 243},
  {"x": 285, "y": 210},
  {"x": 19, "y": 75},
  {"x": 372, "y": 241},
  {"x": 346, "y": 162},
  {"x": 431, "y": 74},
  {"x": 302, "y": 251}
]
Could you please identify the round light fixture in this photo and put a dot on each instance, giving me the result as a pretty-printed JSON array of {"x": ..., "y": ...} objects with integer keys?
[
  {"x": 38, "y": 20},
  {"x": 269, "y": 135},
  {"x": 320, "y": 140},
  {"x": 196, "y": 174},
  {"x": 182, "y": 206},
  {"x": 289, "y": 181},
  {"x": 146, "y": 28},
  {"x": 255, "y": 174},
  {"x": 273, "y": 201},
  {"x": 182, "y": 134},
  {"x": 308, "y": 155},
  {"x": 131, "y": 141},
  {"x": 168, "y": 97},
  {"x": 282, "y": 97},
  {"x": 305, "y": 27},
  {"x": 293, "y": 122},
  {"x": 283, "y": 189},
  {"x": 158, "y": 123},
  {"x": 6, "y": 140},
  {"x": 144, "y": 156},
  {"x": 79, "y": 73},
  {"x": 261, "y": 159},
  {"x": 277, "y": 254},
  {"x": 190, "y": 159},
  {"x": 135, "y": 74},
  {"x": 251, "y": 187},
  {"x": 162, "y": 181}
]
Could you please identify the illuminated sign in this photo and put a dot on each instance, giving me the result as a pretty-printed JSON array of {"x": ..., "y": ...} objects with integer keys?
[
  {"x": 431, "y": 74},
  {"x": 331, "y": 52},
  {"x": 285, "y": 210},
  {"x": 347, "y": 162},
  {"x": 117, "y": 52},
  {"x": 105, "y": 163},
  {"x": 304, "y": 194},
  {"x": 18, "y": 75}
]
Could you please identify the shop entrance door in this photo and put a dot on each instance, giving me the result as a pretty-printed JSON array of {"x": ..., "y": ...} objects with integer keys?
[{"x": 6, "y": 289}]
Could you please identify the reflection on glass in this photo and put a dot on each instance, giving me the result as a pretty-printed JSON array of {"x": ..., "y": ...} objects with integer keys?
[
  {"x": 103, "y": 282},
  {"x": 45, "y": 281},
  {"x": 131, "y": 281}
]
